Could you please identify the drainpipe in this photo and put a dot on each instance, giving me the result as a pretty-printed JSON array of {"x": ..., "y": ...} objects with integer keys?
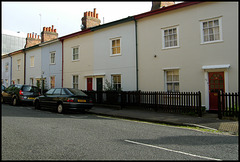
[
  {"x": 62, "y": 62},
  {"x": 24, "y": 71},
  {"x": 136, "y": 53},
  {"x": 10, "y": 69}
]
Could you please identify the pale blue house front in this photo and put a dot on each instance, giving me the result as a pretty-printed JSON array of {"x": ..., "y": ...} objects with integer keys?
[{"x": 51, "y": 58}]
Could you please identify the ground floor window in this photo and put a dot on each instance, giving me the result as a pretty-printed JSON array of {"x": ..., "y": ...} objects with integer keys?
[
  {"x": 6, "y": 83},
  {"x": 75, "y": 81},
  {"x": 116, "y": 82},
  {"x": 31, "y": 81},
  {"x": 52, "y": 81},
  {"x": 172, "y": 80}
]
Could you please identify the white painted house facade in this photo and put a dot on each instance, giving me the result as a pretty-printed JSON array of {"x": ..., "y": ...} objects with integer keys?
[
  {"x": 115, "y": 56},
  {"x": 6, "y": 70},
  {"x": 190, "y": 47}
]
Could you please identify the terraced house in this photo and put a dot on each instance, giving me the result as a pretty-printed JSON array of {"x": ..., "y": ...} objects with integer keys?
[
  {"x": 186, "y": 47},
  {"x": 190, "y": 47}
]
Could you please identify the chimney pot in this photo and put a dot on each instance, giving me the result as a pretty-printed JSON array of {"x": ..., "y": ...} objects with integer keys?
[
  {"x": 38, "y": 37},
  {"x": 88, "y": 13},
  {"x": 33, "y": 35},
  {"x": 30, "y": 34},
  {"x": 49, "y": 28},
  {"x": 52, "y": 28},
  {"x": 94, "y": 12},
  {"x": 97, "y": 16},
  {"x": 55, "y": 30},
  {"x": 85, "y": 14},
  {"x": 27, "y": 35}
]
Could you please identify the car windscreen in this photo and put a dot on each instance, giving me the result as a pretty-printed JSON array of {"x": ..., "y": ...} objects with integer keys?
[{"x": 76, "y": 92}]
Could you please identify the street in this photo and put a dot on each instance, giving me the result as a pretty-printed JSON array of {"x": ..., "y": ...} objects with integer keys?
[{"x": 29, "y": 134}]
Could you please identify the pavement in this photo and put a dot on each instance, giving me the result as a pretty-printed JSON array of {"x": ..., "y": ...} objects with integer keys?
[{"x": 208, "y": 120}]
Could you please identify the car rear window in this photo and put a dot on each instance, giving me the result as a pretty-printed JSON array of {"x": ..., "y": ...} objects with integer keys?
[
  {"x": 77, "y": 92},
  {"x": 26, "y": 88}
]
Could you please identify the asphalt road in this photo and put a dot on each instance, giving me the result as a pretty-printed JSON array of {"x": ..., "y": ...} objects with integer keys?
[{"x": 29, "y": 134}]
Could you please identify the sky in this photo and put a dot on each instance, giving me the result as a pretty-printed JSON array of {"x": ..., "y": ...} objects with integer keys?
[{"x": 21, "y": 18}]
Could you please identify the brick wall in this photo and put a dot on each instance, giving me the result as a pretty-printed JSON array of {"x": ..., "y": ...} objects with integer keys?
[
  {"x": 32, "y": 39},
  {"x": 90, "y": 19}
]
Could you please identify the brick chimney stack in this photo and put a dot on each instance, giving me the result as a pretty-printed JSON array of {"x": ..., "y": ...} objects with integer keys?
[
  {"x": 32, "y": 39},
  {"x": 90, "y": 19},
  {"x": 160, "y": 4},
  {"x": 48, "y": 34}
]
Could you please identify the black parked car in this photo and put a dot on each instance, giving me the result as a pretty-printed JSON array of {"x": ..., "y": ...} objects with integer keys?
[
  {"x": 62, "y": 99},
  {"x": 2, "y": 89},
  {"x": 16, "y": 94}
]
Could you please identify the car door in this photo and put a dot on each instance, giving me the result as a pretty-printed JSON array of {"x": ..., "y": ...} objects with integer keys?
[
  {"x": 55, "y": 97},
  {"x": 7, "y": 93},
  {"x": 46, "y": 99}
]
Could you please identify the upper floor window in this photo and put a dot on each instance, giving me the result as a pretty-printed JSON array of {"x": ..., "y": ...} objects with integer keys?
[
  {"x": 18, "y": 64},
  {"x": 6, "y": 67},
  {"x": 52, "y": 57},
  {"x": 75, "y": 53},
  {"x": 170, "y": 37},
  {"x": 211, "y": 30},
  {"x": 32, "y": 61},
  {"x": 115, "y": 46}
]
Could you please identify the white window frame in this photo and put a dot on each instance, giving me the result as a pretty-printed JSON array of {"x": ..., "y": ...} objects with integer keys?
[
  {"x": 51, "y": 81},
  {"x": 163, "y": 37},
  {"x": 172, "y": 82},
  {"x": 6, "y": 83},
  {"x": 6, "y": 66},
  {"x": 18, "y": 81},
  {"x": 32, "y": 61},
  {"x": 76, "y": 53},
  {"x": 220, "y": 30},
  {"x": 118, "y": 83},
  {"x": 31, "y": 81},
  {"x": 54, "y": 61},
  {"x": 76, "y": 82},
  {"x": 111, "y": 48},
  {"x": 18, "y": 64}
]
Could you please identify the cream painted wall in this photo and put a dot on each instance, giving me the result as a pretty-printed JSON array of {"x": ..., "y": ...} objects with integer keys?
[
  {"x": 18, "y": 74},
  {"x": 191, "y": 55},
  {"x": 82, "y": 67}
]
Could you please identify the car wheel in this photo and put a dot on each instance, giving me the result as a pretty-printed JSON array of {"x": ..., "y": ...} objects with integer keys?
[
  {"x": 37, "y": 105},
  {"x": 60, "y": 108},
  {"x": 14, "y": 101}
]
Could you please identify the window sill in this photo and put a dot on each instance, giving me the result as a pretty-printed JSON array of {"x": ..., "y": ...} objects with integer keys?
[
  {"x": 219, "y": 41},
  {"x": 75, "y": 60},
  {"x": 166, "y": 48},
  {"x": 112, "y": 55}
]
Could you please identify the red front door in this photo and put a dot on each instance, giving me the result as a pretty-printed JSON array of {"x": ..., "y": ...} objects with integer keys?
[
  {"x": 216, "y": 83},
  {"x": 89, "y": 84}
]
